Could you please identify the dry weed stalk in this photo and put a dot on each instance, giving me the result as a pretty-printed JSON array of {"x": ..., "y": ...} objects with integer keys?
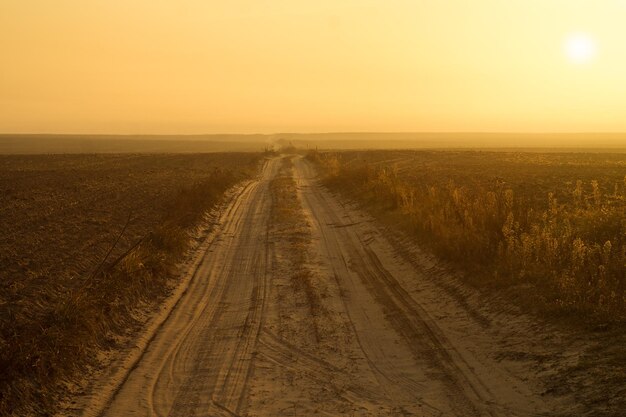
[{"x": 573, "y": 253}]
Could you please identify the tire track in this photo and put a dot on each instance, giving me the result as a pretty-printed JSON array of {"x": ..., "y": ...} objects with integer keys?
[
  {"x": 200, "y": 360},
  {"x": 286, "y": 354},
  {"x": 337, "y": 246},
  {"x": 433, "y": 372},
  {"x": 238, "y": 338}
]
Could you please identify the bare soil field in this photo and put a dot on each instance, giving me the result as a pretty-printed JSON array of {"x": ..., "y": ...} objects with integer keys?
[
  {"x": 60, "y": 214},
  {"x": 64, "y": 221},
  {"x": 117, "y": 144}
]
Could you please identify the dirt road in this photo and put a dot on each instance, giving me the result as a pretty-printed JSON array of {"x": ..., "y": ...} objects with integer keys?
[{"x": 303, "y": 306}]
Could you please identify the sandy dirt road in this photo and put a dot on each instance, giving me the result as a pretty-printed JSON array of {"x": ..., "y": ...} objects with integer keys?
[{"x": 303, "y": 306}]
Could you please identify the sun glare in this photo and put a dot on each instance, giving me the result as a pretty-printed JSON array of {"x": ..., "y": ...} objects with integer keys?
[{"x": 580, "y": 48}]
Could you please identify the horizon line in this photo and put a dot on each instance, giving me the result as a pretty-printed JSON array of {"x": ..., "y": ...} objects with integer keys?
[{"x": 356, "y": 132}]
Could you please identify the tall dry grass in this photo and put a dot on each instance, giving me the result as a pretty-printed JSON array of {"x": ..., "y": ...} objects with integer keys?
[{"x": 572, "y": 253}]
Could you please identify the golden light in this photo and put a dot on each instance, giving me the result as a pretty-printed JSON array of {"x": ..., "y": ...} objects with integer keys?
[
  {"x": 185, "y": 67},
  {"x": 580, "y": 48}
]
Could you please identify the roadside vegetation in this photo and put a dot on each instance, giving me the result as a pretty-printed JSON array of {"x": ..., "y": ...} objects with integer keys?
[
  {"x": 86, "y": 241},
  {"x": 545, "y": 230},
  {"x": 551, "y": 226}
]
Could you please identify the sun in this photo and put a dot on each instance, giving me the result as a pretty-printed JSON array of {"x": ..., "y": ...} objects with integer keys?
[{"x": 580, "y": 48}]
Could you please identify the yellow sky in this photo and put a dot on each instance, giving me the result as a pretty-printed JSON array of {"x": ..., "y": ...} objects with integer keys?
[{"x": 205, "y": 66}]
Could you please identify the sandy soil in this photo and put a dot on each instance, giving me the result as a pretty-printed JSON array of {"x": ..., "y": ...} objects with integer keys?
[{"x": 317, "y": 310}]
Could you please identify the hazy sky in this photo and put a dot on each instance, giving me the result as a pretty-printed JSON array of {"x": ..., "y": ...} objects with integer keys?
[{"x": 205, "y": 66}]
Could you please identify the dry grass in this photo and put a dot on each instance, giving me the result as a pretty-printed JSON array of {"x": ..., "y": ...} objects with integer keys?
[
  {"x": 554, "y": 223},
  {"x": 547, "y": 231},
  {"x": 61, "y": 297}
]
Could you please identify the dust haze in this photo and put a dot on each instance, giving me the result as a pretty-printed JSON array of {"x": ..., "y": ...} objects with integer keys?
[
  {"x": 326, "y": 208},
  {"x": 54, "y": 144}
]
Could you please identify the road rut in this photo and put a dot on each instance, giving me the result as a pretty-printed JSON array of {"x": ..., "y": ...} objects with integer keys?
[{"x": 244, "y": 339}]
